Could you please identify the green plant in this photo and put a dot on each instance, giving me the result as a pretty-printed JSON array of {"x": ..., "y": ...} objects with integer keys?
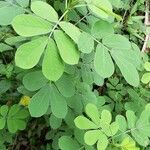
[
  {"x": 146, "y": 77},
  {"x": 103, "y": 132},
  {"x": 59, "y": 57},
  {"x": 15, "y": 117}
]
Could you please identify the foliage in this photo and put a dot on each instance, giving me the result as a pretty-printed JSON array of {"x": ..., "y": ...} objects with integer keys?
[
  {"x": 70, "y": 75},
  {"x": 146, "y": 77},
  {"x": 102, "y": 130}
]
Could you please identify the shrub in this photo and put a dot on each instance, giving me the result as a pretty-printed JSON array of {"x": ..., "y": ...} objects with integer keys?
[{"x": 71, "y": 73}]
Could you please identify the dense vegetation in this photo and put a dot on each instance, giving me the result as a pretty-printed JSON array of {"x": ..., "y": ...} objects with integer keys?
[{"x": 72, "y": 75}]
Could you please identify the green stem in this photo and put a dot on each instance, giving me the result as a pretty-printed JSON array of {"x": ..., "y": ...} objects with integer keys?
[
  {"x": 55, "y": 26},
  {"x": 83, "y": 18},
  {"x": 66, "y": 4}
]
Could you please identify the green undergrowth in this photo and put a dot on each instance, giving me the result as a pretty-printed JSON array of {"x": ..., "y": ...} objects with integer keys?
[{"x": 72, "y": 75}]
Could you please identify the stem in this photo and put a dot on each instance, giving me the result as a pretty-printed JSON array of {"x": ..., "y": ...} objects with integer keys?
[
  {"x": 83, "y": 18},
  {"x": 81, "y": 147},
  {"x": 123, "y": 133},
  {"x": 58, "y": 23},
  {"x": 66, "y": 4},
  {"x": 146, "y": 23},
  {"x": 80, "y": 5}
]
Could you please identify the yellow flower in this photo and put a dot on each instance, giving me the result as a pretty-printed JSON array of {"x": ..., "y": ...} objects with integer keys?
[{"x": 24, "y": 101}]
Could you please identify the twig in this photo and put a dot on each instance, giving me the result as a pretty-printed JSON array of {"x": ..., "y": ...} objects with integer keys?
[{"x": 146, "y": 23}]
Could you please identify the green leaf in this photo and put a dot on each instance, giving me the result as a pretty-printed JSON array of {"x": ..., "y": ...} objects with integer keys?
[
  {"x": 114, "y": 128},
  {"x": 128, "y": 144},
  {"x": 40, "y": 102},
  {"x": 30, "y": 25},
  {"x": 71, "y": 30},
  {"x": 55, "y": 123},
  {"x": 94, "y": 114},
  {"x": 14, "y": 40},
  {"x": 106, "y": 116},
  {"x": 102, "y": 142},
  {"x": 23, "y": 3},
  {"x": 22, "y": 114},
  {"x": 11, "y": 124},
  {"x": 103, "y": 63},
  {"x": 116, "y": 41},
  {"x": 87, "y": 74},
  {"x": 83, "y": 123},
  {"x": 44, "y": 10},
  {"x": 91, "y": 137},
  {"x": 75, "y": 103},
  {"x": 65, "y": 86},
  {"x": 14, "y": 110},
  {"x": 136, "y": 55},
  {"x": 8, "y": 12},
  {"x": 2, "y": 123},
  {"x": 58, "y": 104},
  {"x": 4, "y": 110},
  {"x": 98, "y": 80},
  {"x": 5, "y": 47},
  {"x": 34, "y": 80},
  {"x": 117, "y": 3},
  {"x": 15, "y": 124},
  {"x": 140, "y": 138},
  {"x": 21, "y": 125},
  {"x": 101, "y": 29},
  {"x": 53, "y": 66},
  {"x": 147, "y": 66},
  {"x": 85, "y": 43},
  {"x": 16, "y": 119},
  {"x": 127, "y": 69},
  {"x": 143, "y": 125},
  {"x": 67, "y": 48},
  {"x": 4, "y": 86},
  {"x": 67, "y": 143},
  {"x": 99, "y": 8},
  {"x": 109, "y": 129},
  {"x": 121, "y": 121},
  {"x": 131, "y": 119},
  {"x": 146, "y": 78},
  {"x": 32, "y": 49},
  {"x": 69, "y": 119}
]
